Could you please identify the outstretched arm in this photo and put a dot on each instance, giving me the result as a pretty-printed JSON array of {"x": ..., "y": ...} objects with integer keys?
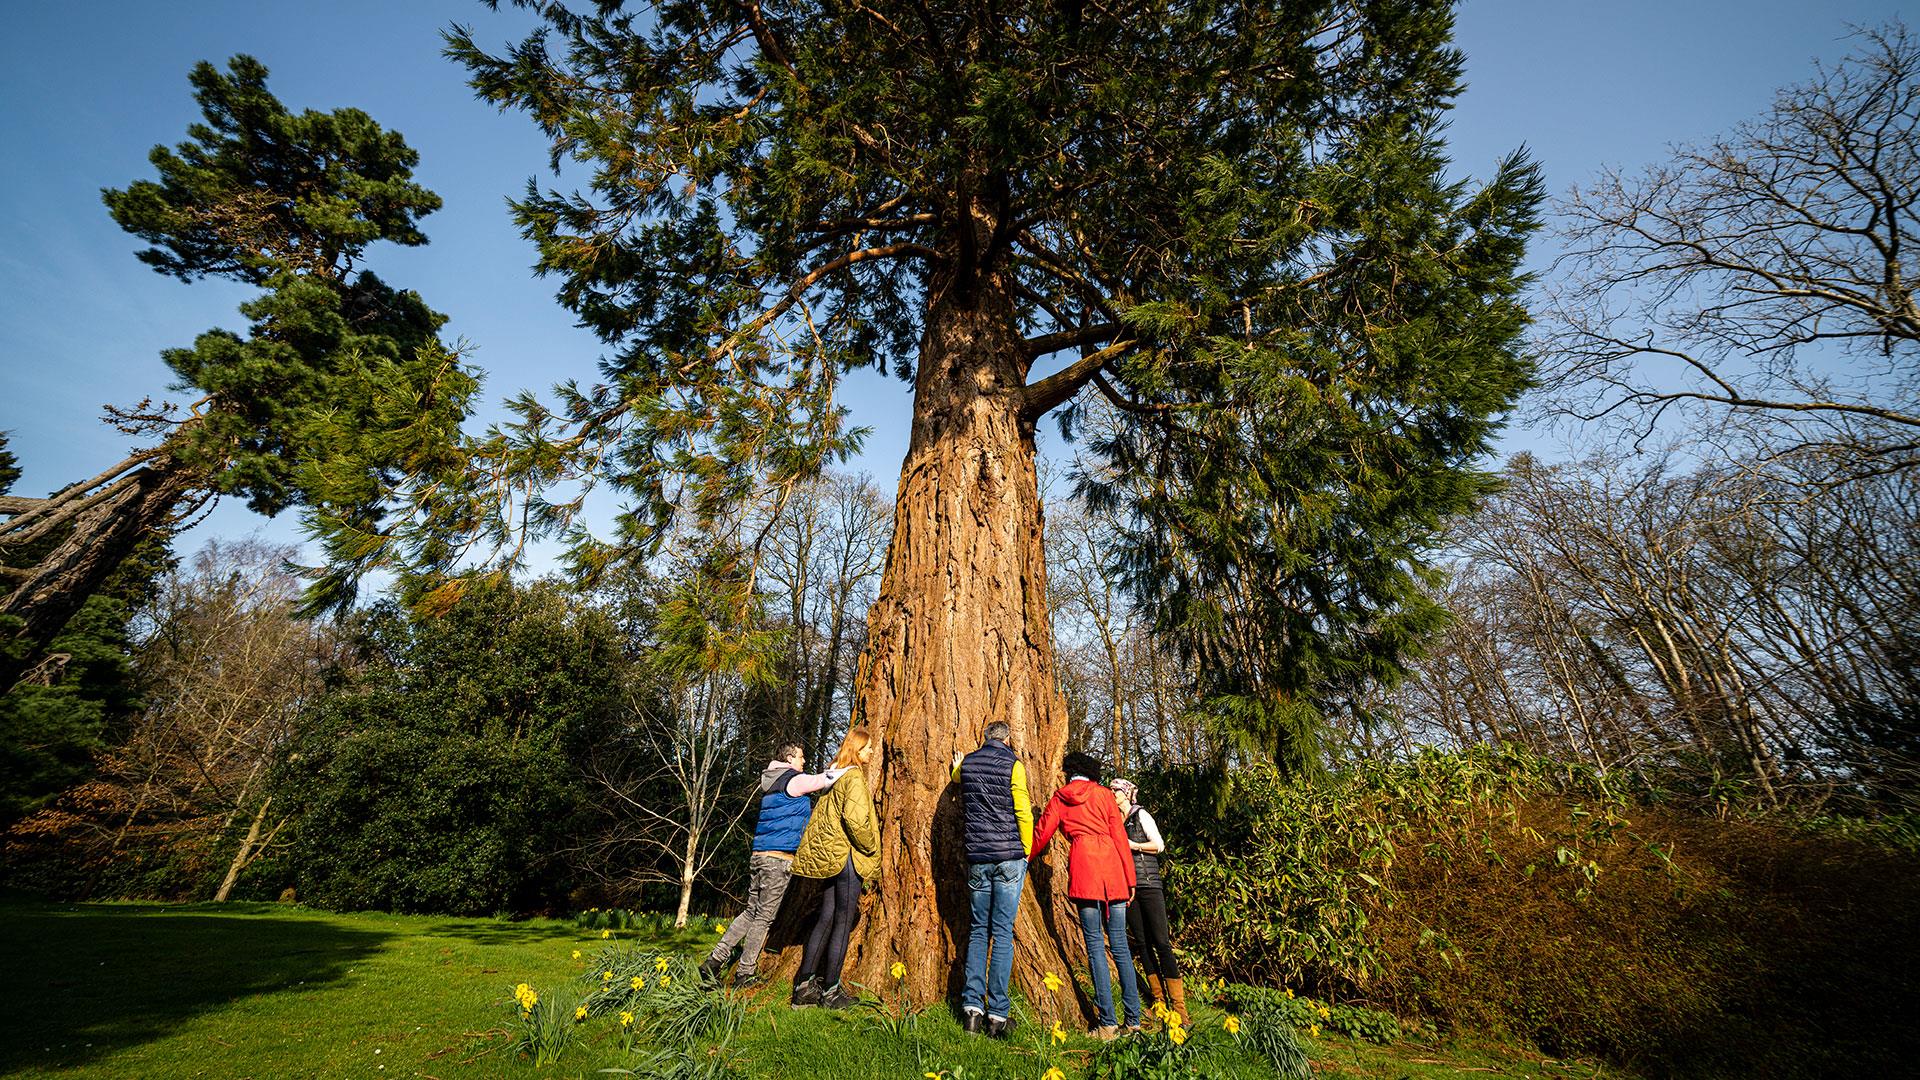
[
  {"x": 808, "y": 783},
  {"x": 1049, "y": 821}
]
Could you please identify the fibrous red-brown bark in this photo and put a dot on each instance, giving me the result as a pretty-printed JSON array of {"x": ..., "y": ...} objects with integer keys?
[{"x": 960, "y": 637}]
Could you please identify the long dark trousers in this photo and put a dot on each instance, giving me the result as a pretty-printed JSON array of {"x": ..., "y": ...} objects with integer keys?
[
  {"x": 1147, "y": 920},
  {"x": 826, "y": 948}
]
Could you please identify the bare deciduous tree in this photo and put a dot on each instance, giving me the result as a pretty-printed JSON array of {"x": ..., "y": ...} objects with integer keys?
[
  {"x": 1767, "y": 275},
  {"x": 1721, "y": 621},
  {"x": 821, "y": 566},
  {"x": 226, "y": 667}
]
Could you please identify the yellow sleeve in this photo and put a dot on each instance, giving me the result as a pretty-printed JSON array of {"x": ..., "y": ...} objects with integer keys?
[{"x": 1023, "y": 806}]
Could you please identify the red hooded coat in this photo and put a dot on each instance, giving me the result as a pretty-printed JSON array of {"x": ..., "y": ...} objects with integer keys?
[{"x": 1099, "y": 863}]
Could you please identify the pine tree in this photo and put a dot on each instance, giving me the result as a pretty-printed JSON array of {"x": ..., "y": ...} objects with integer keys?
[
  {"x": 338, "y": 387},
  {"x": 1229, "y": 224}
]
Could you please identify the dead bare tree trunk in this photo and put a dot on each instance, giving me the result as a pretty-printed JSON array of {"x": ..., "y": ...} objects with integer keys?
[{"x": 101, "y": 528}]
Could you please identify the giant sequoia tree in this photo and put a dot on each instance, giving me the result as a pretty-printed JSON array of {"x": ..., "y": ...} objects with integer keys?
[
  {"x": 339, "y": 384},
  {"x": 1229, "y": 220}
]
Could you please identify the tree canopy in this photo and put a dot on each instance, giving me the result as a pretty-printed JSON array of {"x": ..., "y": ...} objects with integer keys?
[{"x": 1233, "y": 222}]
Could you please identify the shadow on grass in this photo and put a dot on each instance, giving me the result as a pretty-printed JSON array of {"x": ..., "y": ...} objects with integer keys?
[
  {"x": 494, "y": 932},
  {"x": 101, "y": 978}
]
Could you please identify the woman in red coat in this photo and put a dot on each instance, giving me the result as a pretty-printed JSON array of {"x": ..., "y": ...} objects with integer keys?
[{"x": 1099, "y": 879}]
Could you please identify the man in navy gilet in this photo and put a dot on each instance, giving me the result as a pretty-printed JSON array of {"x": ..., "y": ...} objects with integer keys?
[
  {"x": 998, "y": 826},
  {"x": 784, "y": 810}
]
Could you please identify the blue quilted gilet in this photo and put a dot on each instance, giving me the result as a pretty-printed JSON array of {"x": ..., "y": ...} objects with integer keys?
[
  {"x": 986, "y": 797},
  {"x": 783, "y": 818}
]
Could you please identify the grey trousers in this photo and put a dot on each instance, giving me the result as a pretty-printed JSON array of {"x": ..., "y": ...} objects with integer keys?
[{"x": 768, "y": 875}]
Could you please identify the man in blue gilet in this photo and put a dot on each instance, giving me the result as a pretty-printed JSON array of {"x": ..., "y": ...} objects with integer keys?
[
  {"x": 784, "y": 810},
  {"x": 998, "y": 826}
]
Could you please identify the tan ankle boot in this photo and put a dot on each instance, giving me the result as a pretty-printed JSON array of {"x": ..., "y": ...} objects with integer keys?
[
  {"x": 1158, "y": 988},
  {"x": 1177, "y": 999}
]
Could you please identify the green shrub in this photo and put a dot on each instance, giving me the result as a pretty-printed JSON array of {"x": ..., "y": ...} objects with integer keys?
[
  {"x": 445, "y": 775},
  {"x": 1491, "y": 891}
]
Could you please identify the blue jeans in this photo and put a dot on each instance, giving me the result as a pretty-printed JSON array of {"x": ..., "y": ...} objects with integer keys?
[
  {"x": 1114, "y": 926},
  {"x": 995, "y": 888}
]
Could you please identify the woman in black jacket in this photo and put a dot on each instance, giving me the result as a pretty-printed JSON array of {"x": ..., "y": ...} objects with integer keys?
[{"x": 1147, "y": 915}]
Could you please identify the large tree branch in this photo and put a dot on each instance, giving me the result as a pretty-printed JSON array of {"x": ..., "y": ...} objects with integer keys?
[
  {"x": 1067, "y": 339},
  {"x": 1041, "y": 397}
]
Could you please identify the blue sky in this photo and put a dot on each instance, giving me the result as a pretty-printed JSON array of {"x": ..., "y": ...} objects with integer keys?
[{"x": 87, "y": 89}]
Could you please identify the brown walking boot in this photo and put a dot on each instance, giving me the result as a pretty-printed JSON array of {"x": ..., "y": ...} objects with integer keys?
[
  {"x": 1158, "y": 988},
  {"x": 1177, "y": 999}
]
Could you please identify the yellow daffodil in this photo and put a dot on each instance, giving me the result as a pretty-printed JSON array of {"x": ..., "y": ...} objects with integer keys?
[
  {"x": 579, "y": 1012},
  {"x": 1325, "y": 1012},
  {"x": 899, "y": 970},
  {"x": 1232, "y": 1024},
  {"x": 637, "y": 983},
  {"x": 1313, "y": 1030},
  {"x": 1053, "y": 1073},
  {"x": 576, "y": 954},
  {"x": 1289, "y": 993},
  {"x": 1053, "y": 982},
  {"x": 659, "y": 963},
  {"x": 1159, "y": 1010},
  {"x": 626, "y": 1019},
  {"x": 666, "y": 980},
  {"x": 1059, "y": 1033},
  {"x": 1177, "y": 1033},
  {"x": 719, "y": 928},
  {"x": 606, "y": 976},
  {"x": 605, "y": 934}
]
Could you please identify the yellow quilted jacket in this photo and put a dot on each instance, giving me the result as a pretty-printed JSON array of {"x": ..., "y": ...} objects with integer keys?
[{"x": 842, "y": 823}]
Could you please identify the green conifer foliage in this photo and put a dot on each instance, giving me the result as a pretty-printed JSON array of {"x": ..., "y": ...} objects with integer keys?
[
  {"x": 286, "y": 202},
  {"x": 337, "y": 395},
  {"x": 1285, "y": 331}
]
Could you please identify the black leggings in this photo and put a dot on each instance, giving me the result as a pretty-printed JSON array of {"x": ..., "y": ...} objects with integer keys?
[
  {"x": 1147, "y": 920},
  {"x": 826, "y": 949}
]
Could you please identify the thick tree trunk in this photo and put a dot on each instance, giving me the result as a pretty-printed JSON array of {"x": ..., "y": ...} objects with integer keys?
[{"x": 960, "y": 637}]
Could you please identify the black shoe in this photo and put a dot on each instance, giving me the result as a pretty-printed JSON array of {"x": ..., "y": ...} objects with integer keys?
[
  {"x": 836, "y": 997},
  {"x": 710, "y": 972},
  {"x": 748, "y": 981},
  {"x": 998, "y": 1028},
  {"x": 971, "y": 1022},
  {"x": 806, "y": 993}
]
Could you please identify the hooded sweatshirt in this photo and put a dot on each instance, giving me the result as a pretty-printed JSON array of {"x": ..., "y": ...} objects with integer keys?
[
  {"x": 784, "y": 806},
  {"x": 1099, "y": 863}
]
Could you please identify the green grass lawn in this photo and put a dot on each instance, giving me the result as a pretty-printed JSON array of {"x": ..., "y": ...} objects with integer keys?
[{"x": 278, "y": 993}]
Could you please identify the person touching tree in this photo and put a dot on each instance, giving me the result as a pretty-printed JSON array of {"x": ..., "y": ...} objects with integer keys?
[{"x": 1100, "y": 880}]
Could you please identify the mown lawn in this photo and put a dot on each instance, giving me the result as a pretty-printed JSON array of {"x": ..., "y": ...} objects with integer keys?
[{"x": 277, "y": 993}]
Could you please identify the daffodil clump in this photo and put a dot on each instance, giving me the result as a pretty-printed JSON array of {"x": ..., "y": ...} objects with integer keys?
[
  {"x": 648, "y": 1000},
  {"x": 545, "y": 1025},
  {"x": 1311, "y": 1016}
]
